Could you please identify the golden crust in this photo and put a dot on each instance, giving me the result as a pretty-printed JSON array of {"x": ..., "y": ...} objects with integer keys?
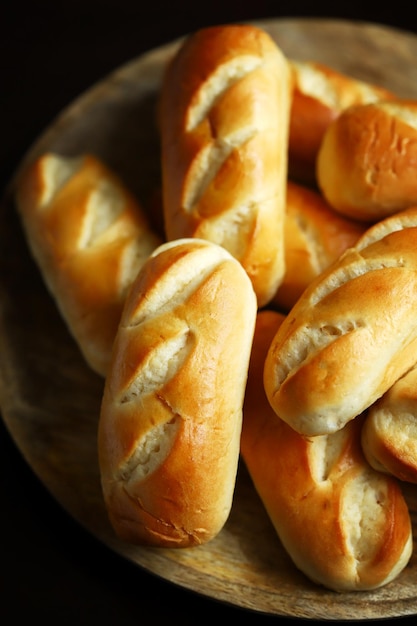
[
  {"x": 320, "y": 94},
  {"x": 171, "y": 413},
  {"x": 367, "y": 160},
  {"x": 348, "y": 338},
  {"x": 389, "y": 434},
  {"x": 224, "y": 115},
  {"x": 89, "y": 237},
  {"x": 344, "y": 525},
  {"x": 315, "y": 236}
]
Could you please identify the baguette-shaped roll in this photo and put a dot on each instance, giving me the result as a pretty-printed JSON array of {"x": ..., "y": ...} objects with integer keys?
[
  {"x": 389, "y": 433},
  {"x": 89, "y": 237},
  {"x": 224, "y": 116},
  {"x": 345, "y": 525},
  {"x": 315, "y": 236},
  {"x": 320, "y": 94},
  {"x": 366, "y": 166},
  {"x": 349, "y": 337},
  {"x": 170, "y": 424}
]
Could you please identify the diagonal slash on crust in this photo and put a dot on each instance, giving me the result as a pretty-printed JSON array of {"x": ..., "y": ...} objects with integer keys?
[{"x": 211, "y": 159}]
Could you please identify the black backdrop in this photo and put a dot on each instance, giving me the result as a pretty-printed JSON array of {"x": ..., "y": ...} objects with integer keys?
[{"x": 50, "y": 570}]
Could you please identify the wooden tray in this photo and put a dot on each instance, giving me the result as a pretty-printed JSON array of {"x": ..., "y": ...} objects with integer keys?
[{"x": 50, "y": 399}]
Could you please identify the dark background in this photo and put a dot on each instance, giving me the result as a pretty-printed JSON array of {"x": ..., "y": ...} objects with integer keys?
[{"x": 50, "y": 570}]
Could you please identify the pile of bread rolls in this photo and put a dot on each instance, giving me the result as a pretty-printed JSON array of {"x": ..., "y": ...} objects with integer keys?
[{"x": 273, "y": 322}]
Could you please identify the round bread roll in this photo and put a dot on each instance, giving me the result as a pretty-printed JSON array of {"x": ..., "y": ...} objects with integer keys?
[
  {"x": 170, "y": 422},
  {"x": 315, "y": 236},
  {"x": 320, "y": 94},
  {"x": 349, "y": 337},
  {"x": 367, "y": 160},
  {"x": 224, "y": 117},
  {"x": 345, "y": 525},
  {"x": 389, "y": 433},
  {"x": 89, "y": 237}
]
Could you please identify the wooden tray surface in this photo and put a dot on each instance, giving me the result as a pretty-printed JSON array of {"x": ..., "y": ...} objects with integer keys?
[{"x": 50, "y": 399}]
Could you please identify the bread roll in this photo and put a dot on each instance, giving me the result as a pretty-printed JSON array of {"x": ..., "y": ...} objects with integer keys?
[
  {"x": 345, "y": 525},
  {"x": 224, "y": 116},
  {"x": 366, "y": 163},
  {"x": 170, "y": 423},
  {"x": 315, "y": 236},
  {"x": 389, "y": 434},
  {"x": 320, "y": 94},
  {"x": 89, "y": 237},
  {"x": 349, "y": 337}
]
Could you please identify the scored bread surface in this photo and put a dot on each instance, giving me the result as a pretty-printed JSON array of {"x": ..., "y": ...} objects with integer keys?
[
  {"x": 389, "y": 433},
  {"x": 315, "y": 236},
  {"x": 172, "y": 407},
  {"x": 344, "y": 525},
  {"x": 89, "y": 237},
  {"x": 348, "y": 338},
  {"x": 224, "y": 131}
]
